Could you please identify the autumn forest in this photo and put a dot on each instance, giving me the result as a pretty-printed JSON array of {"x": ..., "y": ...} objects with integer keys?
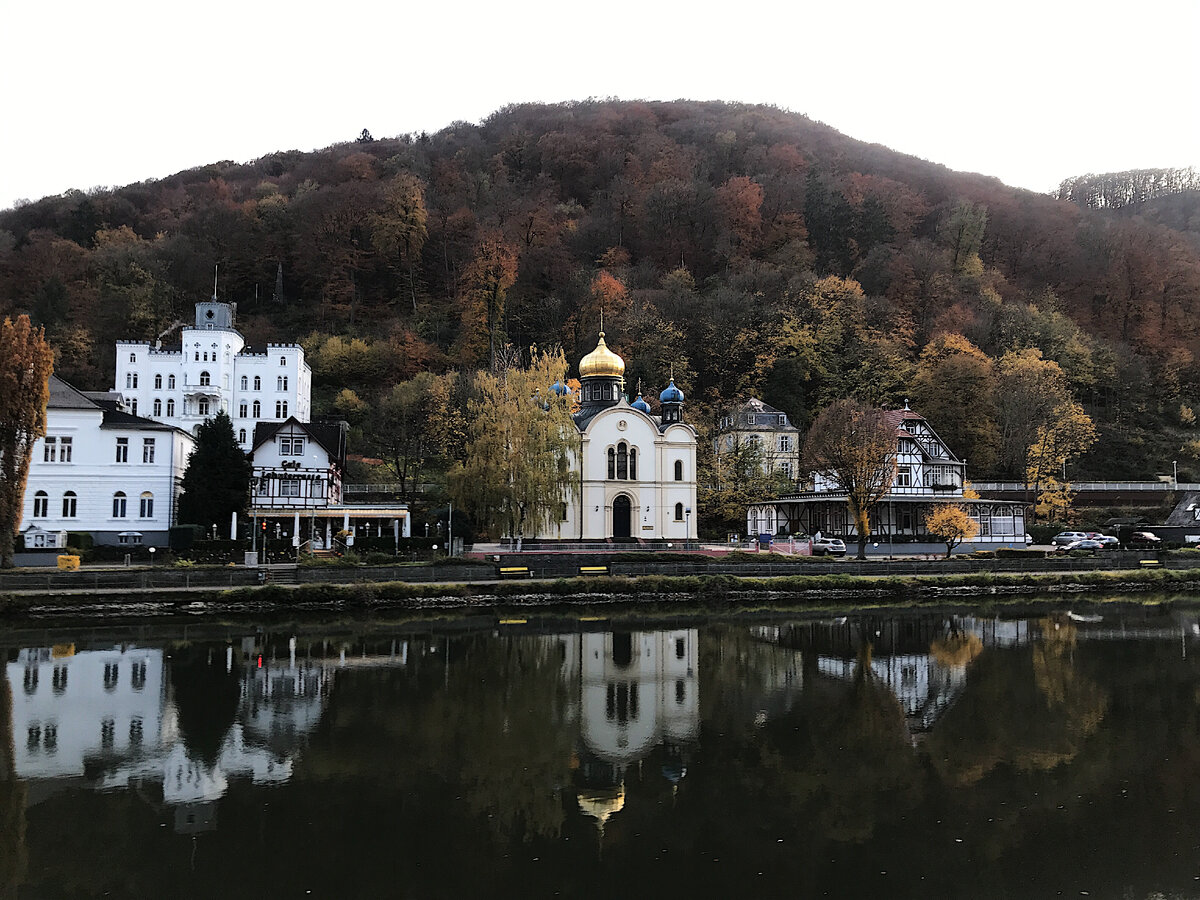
[{"x": 749, "y": 250}]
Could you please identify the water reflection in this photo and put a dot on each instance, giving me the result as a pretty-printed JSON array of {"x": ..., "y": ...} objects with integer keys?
[{"x": 833, "y": 755}]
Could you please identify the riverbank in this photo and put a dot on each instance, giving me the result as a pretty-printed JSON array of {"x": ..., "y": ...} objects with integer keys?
[{"x": 709, "y": 591}]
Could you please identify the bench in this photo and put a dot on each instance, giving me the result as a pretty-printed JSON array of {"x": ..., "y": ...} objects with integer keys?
[
  {"x": 515, "y": 572},
  {"x": 593, "y": 570},
  {"x": 1149, "y": 563}
]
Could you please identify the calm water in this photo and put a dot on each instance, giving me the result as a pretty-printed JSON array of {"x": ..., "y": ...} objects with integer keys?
[{"x": 860, "y": 757}]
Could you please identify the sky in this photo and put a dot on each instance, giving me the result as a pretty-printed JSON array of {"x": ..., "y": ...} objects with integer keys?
[{"x": 102, "y": 95}]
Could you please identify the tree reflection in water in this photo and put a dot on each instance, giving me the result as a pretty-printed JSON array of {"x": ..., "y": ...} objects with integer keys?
[{"x": 867, "y": 756}]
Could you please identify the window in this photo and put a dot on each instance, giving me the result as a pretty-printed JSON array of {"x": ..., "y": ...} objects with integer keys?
[
  {"x": 289, "y": 487},
  {"x": 679, "y": 470},
  {"x": 612, "y": 463},
  {"x": 157, "y": 407},
  {"x": 147, "y": 450},
  {"x": 784, "y": 469},
  {"x": 133, "y": 407},
  {"x": 158, "y": 382},
  {"x": 281, "y": 409},
  {"x": 146, "y": 505},
  {"x": 562, "y": 511},
  {"x": 678, "y": 512},
  {"x": 785, "y": 443},
  {"x": 202, "y": 406},
  {"x": 122, "y": 450},
  {"x": 622, "y": 461},
  {"x": 750, "y": 419},
  {"x": 69, "y": 505},
  {"x": 41, "y": 505},
  {"x": 257, "y": 384},
  {"x": 64, "y": 449},
  {"x": 119, "y": 505},
  {"x": 291, "y": 446},
  {"x": 170, "y": 408},
  {"x": 50, "y": 451},
  {"x": 197, "y": 358},
  {"x": 283, "y": 360},
  {"x": 171, "y": 382},
  {"x": 133, "y": 357},
  {"x": 903, "y": 476},
  {"x": 242, "y": 408},
  {"x": 257, "y": 407},
  {"x": 205, "y": 379},
  {"x": 783, "y": 420}
]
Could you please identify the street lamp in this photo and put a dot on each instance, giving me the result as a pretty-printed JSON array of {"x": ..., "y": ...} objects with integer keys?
[
  {"x": 151, "y": 556},
  {"x": 688, "y": 537}
]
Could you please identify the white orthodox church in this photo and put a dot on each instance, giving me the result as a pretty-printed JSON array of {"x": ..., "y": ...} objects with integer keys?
[
  {"x": 214, "y": 370},
  {"x": 637, "y": 470}
]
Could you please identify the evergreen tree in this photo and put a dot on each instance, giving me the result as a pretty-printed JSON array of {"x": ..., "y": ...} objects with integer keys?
[{"x": 217, "y": 479}]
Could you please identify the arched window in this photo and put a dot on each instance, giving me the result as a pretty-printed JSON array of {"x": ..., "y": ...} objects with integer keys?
[
  {"x": 245, "y": 382},
  {"x": 241, "y": 435},
  {"x": 242, "y": 409},
  {"x": 204, "y": 379},
  {"x": 257, "y": 407},
  {"x": 170, "y": 408},
  {"x": 612, "y": 463},
  {"x": 257, "y": 384},
  {"x": 146, "y": 507},
  {"x": 678, "y": 512},
  {"x": 633, "y": 463},
  {"x": 158, "y": 382},
  {"x": 41, "y": 505},
  {"x": 69, "y": 507},
  {"x": 283, "y": 360},
  {"x": 119, "y": 505},
  {"x": 157, "y": 407},
  {"x": 622, "y": 461},
  {"x": 133, "y": 357},
  {"x": 170, "y": 382},
  {"x": 679, "y": 470}
]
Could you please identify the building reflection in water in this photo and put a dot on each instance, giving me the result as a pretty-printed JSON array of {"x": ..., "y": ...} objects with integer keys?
[
  {"x": 638, "y": 691},
  {"x": 109, "y": 719}
]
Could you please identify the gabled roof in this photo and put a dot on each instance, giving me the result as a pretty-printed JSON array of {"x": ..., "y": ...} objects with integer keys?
[
  {"x": 898, "y": 417},
  {"x": 330, "y": 436},
  {"x": 66, "y": 396}
]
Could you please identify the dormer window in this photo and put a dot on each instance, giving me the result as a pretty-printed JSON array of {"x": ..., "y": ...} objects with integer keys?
[{"x": 750, "y": 419}]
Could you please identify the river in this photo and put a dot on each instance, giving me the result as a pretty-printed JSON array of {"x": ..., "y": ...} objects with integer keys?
[{"x": 917, "y": 755}]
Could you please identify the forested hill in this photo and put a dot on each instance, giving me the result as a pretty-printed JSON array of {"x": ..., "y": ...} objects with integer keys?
[{"x": 751, "y": 249}]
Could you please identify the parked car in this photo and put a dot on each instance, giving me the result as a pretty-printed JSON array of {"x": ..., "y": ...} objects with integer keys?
[
  {"x": 1084, "y": 544},
  {"x": 828, "y": 547},
  {"x": 1109, "y": 542},
  {"x": 1067, "y": 537},
  {"x": 1143, "y": 540}
]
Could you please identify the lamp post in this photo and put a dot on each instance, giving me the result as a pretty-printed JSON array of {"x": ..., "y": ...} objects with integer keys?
[
  {"x": 688, "y": 537},
  {"x": 152, "y": 556},
  {"x": 1175, "y": 472}
]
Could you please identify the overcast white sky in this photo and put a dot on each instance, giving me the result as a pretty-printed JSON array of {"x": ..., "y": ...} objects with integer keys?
[{"x": 1031, "y": 92}]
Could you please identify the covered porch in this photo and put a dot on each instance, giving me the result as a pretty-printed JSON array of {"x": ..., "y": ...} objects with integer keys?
[{"x": 326, "y": 528}]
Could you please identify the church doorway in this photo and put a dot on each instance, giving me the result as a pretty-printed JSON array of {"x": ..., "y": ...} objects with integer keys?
[{"x": 621, "y": 517}]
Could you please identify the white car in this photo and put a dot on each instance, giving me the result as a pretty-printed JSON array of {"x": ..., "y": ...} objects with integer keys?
[
  {"x": 1068, "y": 537},
  {"x": 828, "y": 547}
]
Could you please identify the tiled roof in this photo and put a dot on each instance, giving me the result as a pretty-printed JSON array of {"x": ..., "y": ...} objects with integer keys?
[{"x": 65, "y": 396}]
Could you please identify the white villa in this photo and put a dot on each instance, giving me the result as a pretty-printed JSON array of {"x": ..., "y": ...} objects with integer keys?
[
  {"x": 638, "y": 470},
  {"x": 755, "y": 423},
  {"x": 927, "y": 473},
  {"x": 214, "y": 370},
  {"x": 103, "y": 471}
]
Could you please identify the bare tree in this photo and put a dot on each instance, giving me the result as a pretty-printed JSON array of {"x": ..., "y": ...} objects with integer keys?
[{"x": 855, "y": 446}]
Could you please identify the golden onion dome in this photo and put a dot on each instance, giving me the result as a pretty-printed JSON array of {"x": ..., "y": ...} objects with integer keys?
[{"x": 602, "y": 363}]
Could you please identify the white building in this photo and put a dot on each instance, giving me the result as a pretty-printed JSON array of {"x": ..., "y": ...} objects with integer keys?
[
  {"x": 214, "y": 370},
  {"x": 104, "y": 471},
  {"x": 927, "y": 473},
  {"x": 637, "y": 470}
]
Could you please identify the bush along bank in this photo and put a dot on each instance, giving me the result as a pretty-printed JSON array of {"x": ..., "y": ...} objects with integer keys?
[{"x": 708, "y": 591}]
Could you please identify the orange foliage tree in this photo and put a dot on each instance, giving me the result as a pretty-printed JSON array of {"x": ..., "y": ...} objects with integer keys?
[{"x": 26, "y": 362}]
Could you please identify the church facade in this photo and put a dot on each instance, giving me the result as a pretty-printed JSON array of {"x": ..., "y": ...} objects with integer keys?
[{"x": 637, "y": 470}]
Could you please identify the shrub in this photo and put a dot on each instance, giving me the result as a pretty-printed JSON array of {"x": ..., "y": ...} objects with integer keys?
[{"x": 81, "y": 539}]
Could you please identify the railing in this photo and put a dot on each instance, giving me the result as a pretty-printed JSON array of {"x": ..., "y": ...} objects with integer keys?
[{"x": 1092, "y": 486}]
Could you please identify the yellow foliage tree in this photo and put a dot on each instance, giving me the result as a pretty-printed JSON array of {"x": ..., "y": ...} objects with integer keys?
[
  {"x": 951, "y": 524},
  {"x": 1067, "y": 434},
  {"x": 521, "y": 443},
  {"x": 26, "y": 362}
]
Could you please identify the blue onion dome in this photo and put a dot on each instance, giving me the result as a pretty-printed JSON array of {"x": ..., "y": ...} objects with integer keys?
[
  {"x": 560, "y": 389},
  {"x": 641, "y": 404},
  {"x": 672, "y": 394}
]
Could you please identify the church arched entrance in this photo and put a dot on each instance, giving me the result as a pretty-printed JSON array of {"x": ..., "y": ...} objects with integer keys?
[{"x": 621, "y": 517}]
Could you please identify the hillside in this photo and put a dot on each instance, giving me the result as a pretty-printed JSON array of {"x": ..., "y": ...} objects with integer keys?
[{"x": 751, "y": 249}]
